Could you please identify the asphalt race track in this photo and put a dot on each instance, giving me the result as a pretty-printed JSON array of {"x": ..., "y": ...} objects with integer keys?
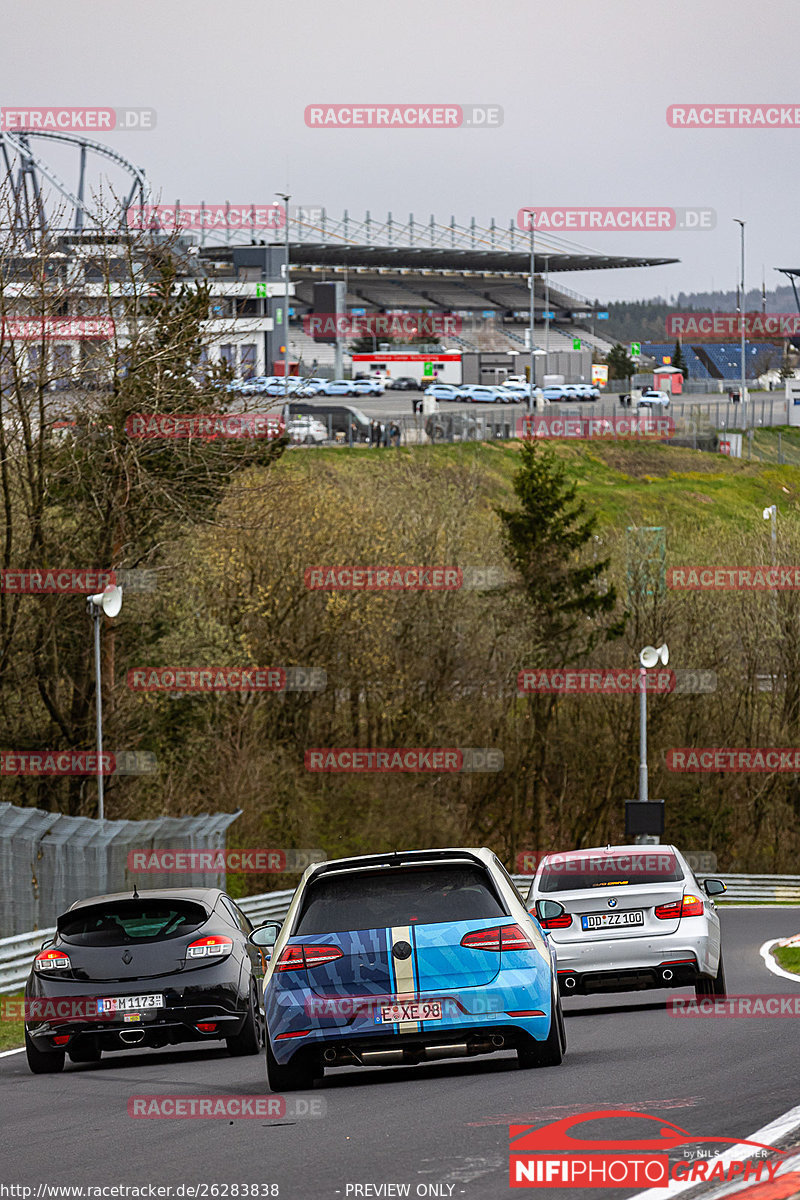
[{"x": 443, "y": 1124}]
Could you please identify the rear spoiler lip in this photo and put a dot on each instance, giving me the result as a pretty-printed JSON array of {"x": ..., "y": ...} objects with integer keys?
[
  {"x": 399, "y": 859},
  {"x": 64, "y": 917}
]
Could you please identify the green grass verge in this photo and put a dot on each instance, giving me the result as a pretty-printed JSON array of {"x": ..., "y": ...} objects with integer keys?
[
  {"x": 12, "y": 1032},
  {"x": 788, "y": 957}
]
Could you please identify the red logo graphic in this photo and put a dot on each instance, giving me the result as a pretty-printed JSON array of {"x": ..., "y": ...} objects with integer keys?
[{"x": 553, "y": 1157}]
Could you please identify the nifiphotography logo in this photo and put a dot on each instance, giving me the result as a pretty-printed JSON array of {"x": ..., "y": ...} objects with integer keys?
[{"x": 552, "y": 1156}]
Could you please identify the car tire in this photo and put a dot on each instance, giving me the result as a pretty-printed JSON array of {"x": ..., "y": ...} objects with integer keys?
[
  {"x": 712, "y": 985},
  {"x": 89, "y": 1052},
  {"x": 295, "y": 1076},
  {"x": 550, "y": 1052},
  {"x": 251, "y": 1037},
  {"x": 43, "y": 1062}
]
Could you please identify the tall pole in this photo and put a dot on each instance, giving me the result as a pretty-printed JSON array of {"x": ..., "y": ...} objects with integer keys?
[
  {"x": 743, "y": 317},
  {"x": 546, "y": 313},
  {"x": 96, "y": 614},
  {"x": 643, "y": 734},
  {"x": 532, "y": 372},
  {"x": 285, "y": 198}
]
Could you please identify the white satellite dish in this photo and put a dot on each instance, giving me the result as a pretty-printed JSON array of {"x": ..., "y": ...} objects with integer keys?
[{"x": 110, "y": 600}]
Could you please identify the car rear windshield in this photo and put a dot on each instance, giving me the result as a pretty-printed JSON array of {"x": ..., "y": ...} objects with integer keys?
[
  {"x": 398, "y": 896},
  {"x": 123, "y": 922},
  {"x": 563, "y": 874}
]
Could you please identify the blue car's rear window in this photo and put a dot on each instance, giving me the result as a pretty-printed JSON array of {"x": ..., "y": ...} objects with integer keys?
[{"x": 398, "y": 896}]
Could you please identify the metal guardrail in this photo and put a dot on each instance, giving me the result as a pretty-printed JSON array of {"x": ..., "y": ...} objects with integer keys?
[
  {"x": 741, "y": 889},
  {"x": 16, "y": 952}
]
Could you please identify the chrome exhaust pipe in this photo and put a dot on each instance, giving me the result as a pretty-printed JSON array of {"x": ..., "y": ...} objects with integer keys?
[
  {"x": 455, "y": 1050},
  {"x": 666, "y": 975},
  {"x": 498, "y": 1040},
  {"x": 381, "y": 1056},
  {"x": 329, "y": 1055},
  {"x": 570, "y": 982},
  {"x": 131, "y": 1037}
]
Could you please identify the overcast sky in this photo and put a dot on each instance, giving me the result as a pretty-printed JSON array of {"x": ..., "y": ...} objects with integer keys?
[{"x": 584, "y": 87}]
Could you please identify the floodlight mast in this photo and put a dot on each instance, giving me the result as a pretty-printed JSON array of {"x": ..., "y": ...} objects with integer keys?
[
  {"x": 108, "y": 602},
  {"x": 648, "y": 657}
]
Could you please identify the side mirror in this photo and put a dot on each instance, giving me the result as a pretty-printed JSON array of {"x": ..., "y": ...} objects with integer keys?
[
  {"x": 265, "y": 936},
  {"x": 548, "y": 910},
  {"x": 714, "y": 887}
]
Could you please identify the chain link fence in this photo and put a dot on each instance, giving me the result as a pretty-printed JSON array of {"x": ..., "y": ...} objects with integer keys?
[{"x": 47, "y": 861}]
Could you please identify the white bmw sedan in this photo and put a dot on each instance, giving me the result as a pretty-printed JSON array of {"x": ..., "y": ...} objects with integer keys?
[{"x": 636, "y": 917}]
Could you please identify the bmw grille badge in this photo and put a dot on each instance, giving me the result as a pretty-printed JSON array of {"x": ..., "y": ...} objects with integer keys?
[{"x": 612, "y": 904}]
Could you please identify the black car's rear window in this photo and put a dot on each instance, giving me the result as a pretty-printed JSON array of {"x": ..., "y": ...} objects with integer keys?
[
  {"x": 563, "y": 873},
  {"x": 398, "y": 896},
  {"x": 123, "y": 922}
]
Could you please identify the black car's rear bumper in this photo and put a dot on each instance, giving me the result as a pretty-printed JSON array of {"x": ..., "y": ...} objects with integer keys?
[{"x": 61, "y": 1010}]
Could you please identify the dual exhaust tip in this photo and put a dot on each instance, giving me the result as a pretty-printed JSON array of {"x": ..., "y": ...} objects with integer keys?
[
  {"x": 398, "y": 1054},
  {"x": 571, "y": 981}
]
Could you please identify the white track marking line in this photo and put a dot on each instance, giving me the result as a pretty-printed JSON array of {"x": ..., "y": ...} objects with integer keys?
[
  {"x": 771, "y": 965},
  {"x": 770, "y": 1134},
  {"x": 5, "y": 1053}
]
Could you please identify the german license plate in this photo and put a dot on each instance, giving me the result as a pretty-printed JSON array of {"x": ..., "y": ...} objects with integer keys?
[
  {"x": 412, "y": 1010},
  {"x": 632, "y": 916},
  {"x": 112, "y": 1004}
]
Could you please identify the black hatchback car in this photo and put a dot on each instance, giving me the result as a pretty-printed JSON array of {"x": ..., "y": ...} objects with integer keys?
[{"x": 151, "y": 968}]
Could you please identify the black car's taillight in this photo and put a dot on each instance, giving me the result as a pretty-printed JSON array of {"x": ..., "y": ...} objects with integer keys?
[
  {"x": 215, "y": 946},
  {"x": 52, "y": 962}
]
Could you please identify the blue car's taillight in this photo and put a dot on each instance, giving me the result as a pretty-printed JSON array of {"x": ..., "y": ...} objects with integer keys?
[
  {"x": 298, "y": 958},
  {"x": 503, "y": 937}
]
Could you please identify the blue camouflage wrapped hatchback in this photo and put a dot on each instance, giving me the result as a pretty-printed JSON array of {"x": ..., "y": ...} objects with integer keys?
[{"x": 405, "y": 958}]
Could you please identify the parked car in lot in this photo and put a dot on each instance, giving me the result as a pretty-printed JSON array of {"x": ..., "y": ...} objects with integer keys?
[
  {"x": 153, "y": 968},
  {"x": 368, "y": 387},
  {"x": 338, "y": 387},
  {"x": 653, "y": 399},
  {"x": 453, "y": 427},
  {"x": 408, "y": 957},
  {"x": 338, "y": 418},
  {"x": 311, "y": 387},
  {"x": 585, "y": 391},
  {"x": 306, "y": 430},
  {"x": 635, "y": 917},
  {"x": 403, "y": 383},
  {"x": 480, "y": 393},
  {"x": 444, "y": 391}
]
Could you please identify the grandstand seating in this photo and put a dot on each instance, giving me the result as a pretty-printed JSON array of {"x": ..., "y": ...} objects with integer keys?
[{"x": 708, "y": 360}]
